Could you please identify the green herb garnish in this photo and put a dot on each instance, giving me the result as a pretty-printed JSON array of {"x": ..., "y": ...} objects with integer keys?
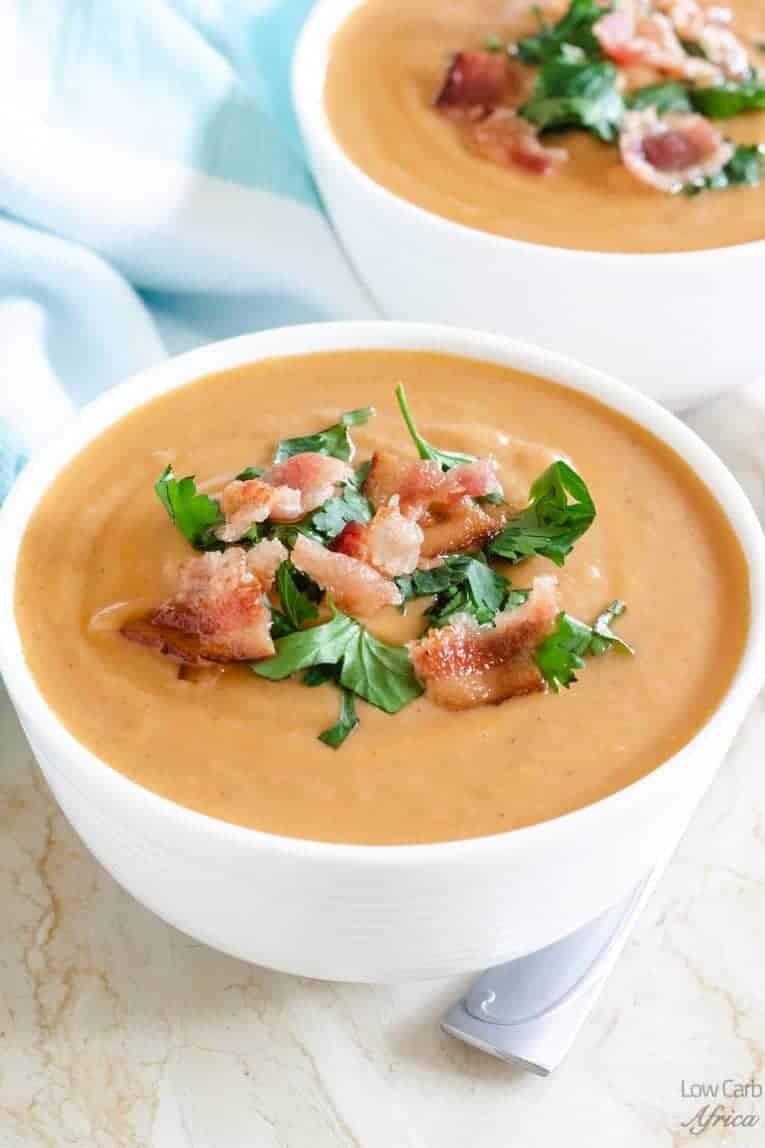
[
  {"x": 560, "y": 510},
  {"x": 563, "y": 652},
  {"x": 250, "y": 472},
  {"x": 345, "y": 724},
  {"x": 196, "y": 515},
  {"x": 722, "y": 101},
  {"x": 374, "y": 670},
  {"x": 334, "y": 440},
  {"x": 745, "y": 168},
  {"x": 462, "y": 584},
  {"x": 669, "y": 97},
  {"x": 297, "y": 606},
  {"x": 574, "y": 29},
  {"x": 446, "y": 458},
  {"x": 350, "y": 505},
  {"x": 493, "y": 43},
  {"x": 569, "y": 94}
]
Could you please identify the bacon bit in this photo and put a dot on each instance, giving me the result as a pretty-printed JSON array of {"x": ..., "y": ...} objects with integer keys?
[
  {"x": 245, "y": 503},
  {"x": 463, "y": 526},
  {"x": 385, "y": 476},
  {"x": 628, "y": 38},
  {"x": 314, "y": 475},
  {"x": 390, "y": 542},
  {"x": 475, "y": 82},
  {"x": 218, "y": 613},
  {"x": 673, "y": 152},
  {"x": 465, "y": 665},
  {"x": 708, "y": 28},
  {"x": 442, "y": 503},
  {"x": 510, "y": 141},
  {"x": 353, "y": 585},
  {"x": 264, "y": 559}
]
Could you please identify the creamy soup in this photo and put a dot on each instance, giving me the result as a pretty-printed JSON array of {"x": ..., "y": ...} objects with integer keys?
[
  {"x": 386, "y": 67},
  {"x": 100, "y": 550}
]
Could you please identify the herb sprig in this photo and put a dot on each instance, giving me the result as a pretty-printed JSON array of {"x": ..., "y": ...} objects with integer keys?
[
  {"x": 333, "y": 440},
  {"x": 560, "y": 510},
  {"x": 446, "y": 458},
  {"x": 462, "y": 584},
  {"x": 196, "y": 515},
  {"x": 571, "y": 93},
  {"x": 575, "y": 28},
  {"x": 563, "y": 652}
]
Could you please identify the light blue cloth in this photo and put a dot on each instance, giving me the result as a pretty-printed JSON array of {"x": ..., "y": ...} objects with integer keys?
[{"x": 154, "y": 195}]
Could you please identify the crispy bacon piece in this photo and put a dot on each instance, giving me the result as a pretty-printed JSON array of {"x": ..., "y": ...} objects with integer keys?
[
  {"x": 463, "y": 526},
  {"x": 218, "y": 613},
  {"x": 353, "y": 585},
  {"x": 508, "y": 140},
  {"x": 673, "y": 152},
  {"x": 314, "y": 475},
  {"x": 390, "y": 542},
  {"x": 442, "y": 503},
  {"x": 708, "y": 28},
  {"x": 475, "y": 82},
  {"x": 464, "y": 664},
  {"x": 251, "y": 501},
  {"x": 385, "y": 476},
  {"x": 629, "y": 38}
]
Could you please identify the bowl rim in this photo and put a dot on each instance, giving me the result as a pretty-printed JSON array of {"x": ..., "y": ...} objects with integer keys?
[
  {"x": 103, "y": 412},
  {"x": 308, "y": 72}
]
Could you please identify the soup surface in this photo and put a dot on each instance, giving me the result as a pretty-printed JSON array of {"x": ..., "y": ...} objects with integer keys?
[
  {"x": 387, "y": 64},
  {"x": 244, "y": 749}
]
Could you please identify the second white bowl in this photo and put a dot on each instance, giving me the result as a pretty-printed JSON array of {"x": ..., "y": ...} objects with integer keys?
[{"x": 678, "y": 327}]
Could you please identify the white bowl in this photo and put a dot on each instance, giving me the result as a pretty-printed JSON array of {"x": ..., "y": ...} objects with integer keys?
[
  {"x": 680, "y": 327},
  {"x": 373, "y": 913}
]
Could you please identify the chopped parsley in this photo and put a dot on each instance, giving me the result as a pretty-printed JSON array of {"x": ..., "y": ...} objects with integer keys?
[
  {"x": 745, "y": 168},
  {"x": 493, "y": 43},
  {"x": 297, "y": 594},
  {"x": 334, "y": 440},
  {"x": 722, "y": 101},
  {"x": 345, "y": 724},
  {"x": 196, "y": 515},
  {"x": 671, "y": 96},
  {"x": 379, "y": 673},
  {"x": 446, "y": 458},
  {"x": 574, "y": 29},
  {"x": 563, "y": 652},
  {"x": 560, "y": 510},
  {"x": 573, "y": 94},
  {"x": 462, "y": 584}
]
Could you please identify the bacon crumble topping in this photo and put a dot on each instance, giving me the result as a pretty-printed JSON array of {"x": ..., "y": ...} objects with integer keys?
[{"x": 464, "y": 664}]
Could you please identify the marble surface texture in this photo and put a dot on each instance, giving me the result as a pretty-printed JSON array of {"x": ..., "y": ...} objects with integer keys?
[{"x": 118, "y": 1032}]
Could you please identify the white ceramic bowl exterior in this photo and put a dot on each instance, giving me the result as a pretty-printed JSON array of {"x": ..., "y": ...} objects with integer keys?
[
  {"x": 679, "y": 327},
  {"x": 355, "y": 912}
]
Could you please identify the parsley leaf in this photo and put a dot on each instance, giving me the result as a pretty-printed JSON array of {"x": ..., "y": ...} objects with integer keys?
[
  {"x": 745, "y": 168},
  {"x": 318, "y": 675},
  {"x": 348, "y": 506},
  {"x": 296, "y": 604},
  {"x": 575, "y": 28},
  {"x": 550, "y": 524},
  {"x": 463, "y": 584},
  {"x": 196, "y": 515},
  {"x": 493, "y": 43},
  {"x": 345, "y": 724},
  {"x": 250, "y": 472},
  {"x": 562, "y": 653},
  {"x": 334, "y": 440},
  {"x": 571, "y": 94},
  {"x": 381, "y": 674},
  {"x": 669, "y": 97},
  {"x": 722, "y": 101},
  {"x": 446, "y": 458}
]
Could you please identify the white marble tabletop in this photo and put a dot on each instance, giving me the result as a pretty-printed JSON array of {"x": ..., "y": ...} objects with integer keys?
[{"x": 116, "y": 1031}]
